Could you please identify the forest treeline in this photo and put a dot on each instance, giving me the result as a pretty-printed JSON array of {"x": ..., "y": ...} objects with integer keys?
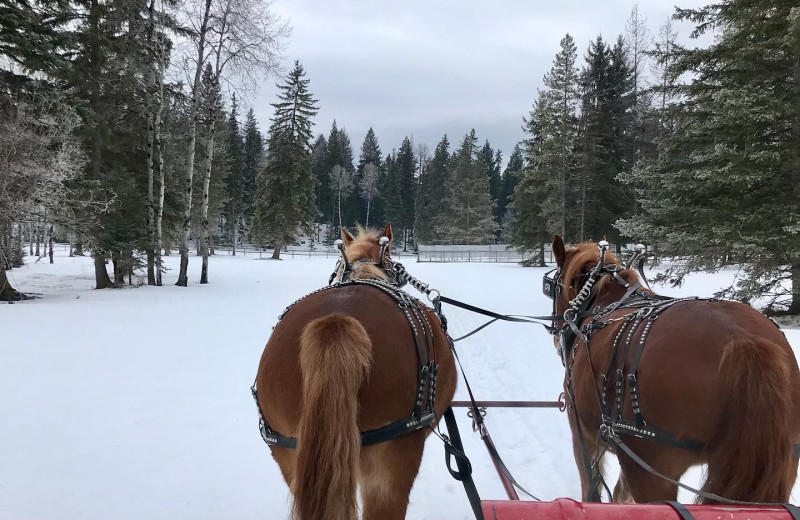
[{"x": 121, "y": 131}]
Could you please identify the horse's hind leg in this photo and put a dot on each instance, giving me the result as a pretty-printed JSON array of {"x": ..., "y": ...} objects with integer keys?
[
  {"x": 388, "y": 471},
  {"x": 639, "y": 485}
]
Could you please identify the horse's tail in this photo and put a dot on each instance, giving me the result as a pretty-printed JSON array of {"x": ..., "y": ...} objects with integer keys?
[
  {"x": 335, "y": 356},
  {"x": 751, "y": 456}
]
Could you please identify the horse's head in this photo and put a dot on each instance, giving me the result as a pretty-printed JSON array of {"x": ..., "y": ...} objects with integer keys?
[
  {"x": 575, "y": 265},
  {"x": 367, "y": 254}
]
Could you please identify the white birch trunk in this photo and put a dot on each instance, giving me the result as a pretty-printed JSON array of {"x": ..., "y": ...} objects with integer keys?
[
  {"x": 204, "y": 232},
  {"x": 194, "y": 115}
]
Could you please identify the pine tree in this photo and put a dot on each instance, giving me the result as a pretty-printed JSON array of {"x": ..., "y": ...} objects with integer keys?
[
  {"x": 285, "y": 198},
  {"x": 726, "y": 184},
  {"x": 605, "y": 146},
  {"x": 234, "y": 147},
  {"x": 318, "y": 165},
  {"x": 561, "y": 97},
  {"x": 537, "y": 195},
  {"x": 511, "y": 177},
  {"x": 490, "y": 163},
  {"x": 368, "y": 174},
  {"x": 429, "y": 200},
  {"x": 545, "y": 198},
  {"x": 253, "y": 164},
  {"x": 405, "y": 167},
  {"x": 466, "y": 216}
]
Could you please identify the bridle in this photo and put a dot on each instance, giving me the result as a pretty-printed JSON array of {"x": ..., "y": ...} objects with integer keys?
[{"x": 345, "y": 269}]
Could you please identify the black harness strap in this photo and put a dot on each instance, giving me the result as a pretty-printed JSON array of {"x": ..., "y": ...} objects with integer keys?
[
  {"x": 793, "y": 510},
  {"x": 422, "y": 414},
  {"x": 680, "y": 509},
  {"x": 453, "y": 447}
]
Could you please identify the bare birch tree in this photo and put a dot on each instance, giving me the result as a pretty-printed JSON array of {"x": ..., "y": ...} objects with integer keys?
[
  {"x": 246, "y": 40},
  {"x": 201, "y": 32},
  {"x": 342, "y": 184},
  {"x": 368, "y": 185}
]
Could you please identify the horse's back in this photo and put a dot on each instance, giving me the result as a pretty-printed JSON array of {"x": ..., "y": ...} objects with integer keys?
[
  {"x": 389, "y": 389},
  {"x": 680, "y": 385}
]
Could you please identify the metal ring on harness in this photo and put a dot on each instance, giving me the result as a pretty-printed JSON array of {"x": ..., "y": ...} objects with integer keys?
[{"x": 431, "y": 298}]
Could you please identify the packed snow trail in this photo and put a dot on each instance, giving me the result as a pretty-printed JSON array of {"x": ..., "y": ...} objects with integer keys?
[{"x": 135, "y": 403}]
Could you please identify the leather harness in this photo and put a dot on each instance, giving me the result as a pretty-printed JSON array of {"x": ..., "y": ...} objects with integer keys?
[{"x": 422, "y": 413}]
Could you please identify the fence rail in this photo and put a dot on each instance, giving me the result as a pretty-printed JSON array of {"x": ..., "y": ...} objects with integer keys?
[{"x": 499, "y": 253}]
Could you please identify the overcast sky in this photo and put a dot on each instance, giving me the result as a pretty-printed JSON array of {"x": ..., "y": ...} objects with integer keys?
[{"x": 425, "y": 68}]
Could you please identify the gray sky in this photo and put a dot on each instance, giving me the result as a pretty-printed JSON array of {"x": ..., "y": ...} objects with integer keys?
[{"x": 425, "y": 68}]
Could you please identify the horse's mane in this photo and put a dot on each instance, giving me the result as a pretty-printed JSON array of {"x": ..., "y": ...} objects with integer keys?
[
  {"x": 364, "y": 245},
  {"x": 584, "y": 258}
]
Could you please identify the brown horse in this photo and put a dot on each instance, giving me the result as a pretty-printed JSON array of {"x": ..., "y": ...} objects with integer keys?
[
  {"x": 716, "y": 379},
  {"x": 343, "y": 361}
]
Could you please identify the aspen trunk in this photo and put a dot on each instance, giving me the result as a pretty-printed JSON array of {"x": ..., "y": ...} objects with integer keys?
[
  {"x": 234, "y": 228},
  {"x": 205, "y": 236},
  {"x": 194, "y": 116},
  {"x": 50, "y": 244},
  {"x": 30, "y": 239}
]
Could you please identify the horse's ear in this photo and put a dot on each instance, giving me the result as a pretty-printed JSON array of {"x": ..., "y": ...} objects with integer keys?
[
  {"x": 558, "y": 250},
  {"x": 347, "y": 238},
  {"x": 387, "y": 231}
]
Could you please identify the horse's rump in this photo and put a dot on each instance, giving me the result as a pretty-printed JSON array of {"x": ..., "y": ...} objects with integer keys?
[{"x": 387, "y": 393}]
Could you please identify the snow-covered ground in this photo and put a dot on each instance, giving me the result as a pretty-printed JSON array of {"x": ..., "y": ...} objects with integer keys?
[{"x": 135, "y": 403}]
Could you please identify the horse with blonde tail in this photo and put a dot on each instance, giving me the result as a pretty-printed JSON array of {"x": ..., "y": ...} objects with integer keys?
[{"x": 349, "y": 385}]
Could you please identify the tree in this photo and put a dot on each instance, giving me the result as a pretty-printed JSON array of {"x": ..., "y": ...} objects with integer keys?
[
  {"x": 562, "y": 97},
  {"x": 637, "y": 43},
  {"x": 200, "y": 41},
  {"x": 41, "y": 174},
  {"x": 342, "y": 185},
  {"x": 370, "y": 155},
  {"x": 511, "y": 177},
  {"x": 244, "y": 38},
  {"x": 368, "y": 185},
  {"x": 405, "y": 167},
  {"x": 536, "y": 197},
  {"x": 285, "y": 197},
  {"x": 490, "y": 163},
  {"x": 726, "y": 183},
  {"x": 466, "y": 217},
  {"x": 429, "y": 199},
  {"x": 604, "y": 143},
  {"x": 253, "y": 164},
  {"x": 234, "y": 146}
]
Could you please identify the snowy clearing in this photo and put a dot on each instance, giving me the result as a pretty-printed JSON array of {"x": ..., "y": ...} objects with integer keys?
[{"x": 135, "y": 403}]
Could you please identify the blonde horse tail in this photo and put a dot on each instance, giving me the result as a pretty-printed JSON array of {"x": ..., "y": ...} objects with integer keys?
[
  {"x": 751, "y": 457},
  {"x": 335, "y": 357}
]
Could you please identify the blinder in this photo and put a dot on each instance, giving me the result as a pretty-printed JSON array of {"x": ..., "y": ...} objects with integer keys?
[{"x": 550, "y": 284}]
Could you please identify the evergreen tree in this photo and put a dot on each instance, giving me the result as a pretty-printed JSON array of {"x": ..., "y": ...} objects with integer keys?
[
  {"x": 536, "y": 197},
  {"x": 370, "y": 155},
  {"x": 405, "y": 167},
  {"x": 466, "y": 216},
  {"x": 318, "y": 165},
  {"x": 253, "y": 164},
  {"x": 511, "y": 177},
  {"x": 285, "y": 197},
  {"x": 429, "y": 199},
  {"x": 726, "y": 183},
  {"x": 605, "y": 146},
  {"x": 561, "y": 99},
  {"x": 490, "y": 163},
  {"x": 545, "y": 198},
  {"x": 234, "y": 147}
]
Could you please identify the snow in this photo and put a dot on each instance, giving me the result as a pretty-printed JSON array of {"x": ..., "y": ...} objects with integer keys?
[{"x": 135, "y": 403}]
